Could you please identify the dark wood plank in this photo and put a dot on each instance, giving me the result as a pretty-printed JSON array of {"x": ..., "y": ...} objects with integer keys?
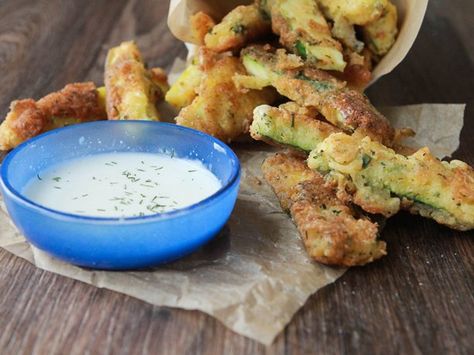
[{"x": 418, "y": 299}]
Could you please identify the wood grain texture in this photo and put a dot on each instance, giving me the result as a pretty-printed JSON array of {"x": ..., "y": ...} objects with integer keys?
[{"x": 419, "y": 299}]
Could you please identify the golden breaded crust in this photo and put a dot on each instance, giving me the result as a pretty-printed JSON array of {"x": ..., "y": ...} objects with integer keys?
[
  {"x": 130, "y": 91},
  {"x": 290, "y": 125},
  {"x": 358, "y": 12},
  {"x": 331, "y": 232},
  {"x": 75, "y": 103},
  {"x": 358, "y": 113},
  {"x": 237, "y": 28},
  {"x": 78, "y": 100},
  {"x": 303, "y": 30},
  {"x": 348, "y": 109},
  {"x": 201, "y": 24},
  {"x": 24, "y": 121},
  {"x": 382, "y": 181},
  {"x": 382, "y": 33},
  {"x": 219, "y": 108}
]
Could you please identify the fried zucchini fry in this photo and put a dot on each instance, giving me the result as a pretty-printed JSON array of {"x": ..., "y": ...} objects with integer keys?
[
  {"x": 375, "y": 177},
  {"x": 383, "y": 181},
  {"x": 219, "y": 108},
  {"x": 357, "y": 12},
  {"x": 184, "y": 90},
  {"x": 378, "y": 19},
  {"x": 303, "y": 30},
  {"x": 380, "y": 34},
  {"x": 347, "y": 109},
  {"x": 302, "y": 128},
  {"x": 131, "y": 93},
  {"x": 331, "y": 231},
  {"x": 289, "y": 126},
  {"x": 76, "y": 103},
  {"x": 201, "y": 25},
  {"x": 243, "y": 24}
]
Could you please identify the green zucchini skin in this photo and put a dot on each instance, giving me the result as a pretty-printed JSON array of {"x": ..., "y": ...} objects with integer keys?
[
  {"x": 384, "y": 181},
  {"x": 302, "y": 83}
]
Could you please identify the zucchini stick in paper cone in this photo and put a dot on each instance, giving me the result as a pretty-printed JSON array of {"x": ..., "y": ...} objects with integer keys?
[{"x": 410, "y": 18}]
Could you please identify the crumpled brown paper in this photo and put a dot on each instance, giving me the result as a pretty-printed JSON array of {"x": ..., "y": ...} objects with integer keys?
[
  {"x": 437, "y": 125},
  {"x": 255, "y": 275}
]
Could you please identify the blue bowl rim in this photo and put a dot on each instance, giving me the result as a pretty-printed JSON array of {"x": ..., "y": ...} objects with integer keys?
[{"x": 19, "y": 197}]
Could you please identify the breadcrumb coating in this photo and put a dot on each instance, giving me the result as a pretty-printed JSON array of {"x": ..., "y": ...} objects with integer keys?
[{"x": 332, "y": 232}]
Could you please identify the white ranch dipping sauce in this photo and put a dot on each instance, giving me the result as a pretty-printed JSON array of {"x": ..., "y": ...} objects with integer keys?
[{"x": 122, "y": 185}]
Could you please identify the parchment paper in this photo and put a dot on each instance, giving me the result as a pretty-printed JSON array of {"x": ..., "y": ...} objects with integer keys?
[
  {"x": 411, "y": 14},
  {"x": 437, "y": 125},
  {"x": 255, "y": 275}
]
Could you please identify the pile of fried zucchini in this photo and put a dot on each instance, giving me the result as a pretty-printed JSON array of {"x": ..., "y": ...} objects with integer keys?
[
  {"x": 290, "y": 73},
  {"x": 346, "y": 164}
]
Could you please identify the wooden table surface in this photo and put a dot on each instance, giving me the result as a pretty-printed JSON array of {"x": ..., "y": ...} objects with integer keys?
[{"x": 418, "y": 299}]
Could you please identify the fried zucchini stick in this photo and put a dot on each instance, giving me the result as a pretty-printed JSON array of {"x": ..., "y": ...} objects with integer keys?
[
  {"x": 303, "y": 30},
  {"x": 131, "y": 93},
  {"x": 303, "y": 128},
  {"x": 201, "y": 24},
  {"x": 184, "y": 90},
  {"x": 381, "y": 33},
  {"x": 240, "y": 26},
  {"x": 373, "y": 176},
  {"x": 219, "y": 108},
  {"x": 357, "y": 12},
  {"x": 347, "y": 109},
  {"x": 383, "y": 181},
  {"x": 289, "y": 126},
  {"x": 378, "y": 19},
  {"x": 76, "y": 103},
  {"x": 331, "y": 231}
]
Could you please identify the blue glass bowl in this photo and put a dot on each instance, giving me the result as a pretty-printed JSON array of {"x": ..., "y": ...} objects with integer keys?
[{"x": 119, "y": 243}]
